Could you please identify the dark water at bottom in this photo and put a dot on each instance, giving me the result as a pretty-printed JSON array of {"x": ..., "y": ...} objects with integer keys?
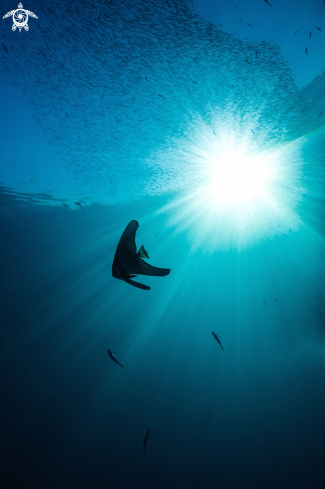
[{"x": 249, "y": 417}]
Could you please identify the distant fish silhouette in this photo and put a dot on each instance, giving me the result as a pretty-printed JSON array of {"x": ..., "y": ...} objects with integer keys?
[
  {"x": 128, "y": 262},
  {"x": 252, "y": 131},
  {"x": 306, "y": 51},
  {"x": 216, "y": 337},
  {"x": 320, "y": 114},
  {"x": 267, "y": 3},
  {"x": 66, "y": 205},
  {"x": 264, "y": 301},
  {"x": 249, "y": 25},
  {"x": 77, "y": 203},
  {"x": 319, "y": 29},
  {"x": 5, "y": 48},
  {"x": 310, "y": 35},
  {"x": 113, "y": 357},
  {"x": 297, "y": 31},
  {"x": 145, "y": 441}
]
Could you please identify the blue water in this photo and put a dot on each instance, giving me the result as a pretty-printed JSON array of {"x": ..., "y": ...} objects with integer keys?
[{"x": 213, "y": 139}]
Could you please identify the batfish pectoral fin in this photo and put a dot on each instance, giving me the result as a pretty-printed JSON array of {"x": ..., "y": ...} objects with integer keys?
[
  {"x": 143, "y": 253},
  {"x": 136, "y": 284}
]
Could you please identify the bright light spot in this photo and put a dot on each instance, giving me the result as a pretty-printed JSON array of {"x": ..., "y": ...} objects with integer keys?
[
  {"x": 243, "y": 194},
  {"x": 236, "y": 178}
]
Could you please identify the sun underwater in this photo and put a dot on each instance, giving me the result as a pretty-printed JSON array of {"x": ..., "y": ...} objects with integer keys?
[{"x": 241, "y": 196}]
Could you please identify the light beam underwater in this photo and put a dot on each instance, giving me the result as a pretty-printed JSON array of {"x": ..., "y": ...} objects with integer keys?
[{"x": 241, "y": 197}]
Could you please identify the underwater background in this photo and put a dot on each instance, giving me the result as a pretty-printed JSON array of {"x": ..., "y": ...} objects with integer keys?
[{"x": 204, "y": 122}]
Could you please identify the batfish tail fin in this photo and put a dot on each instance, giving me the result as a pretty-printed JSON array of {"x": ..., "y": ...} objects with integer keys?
[{"x": 143, "y": 253}]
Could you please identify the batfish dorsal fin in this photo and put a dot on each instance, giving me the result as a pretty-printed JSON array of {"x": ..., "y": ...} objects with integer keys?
[
  {"x": 127, "y": 241},
  {"x": 143, "y": 253}
]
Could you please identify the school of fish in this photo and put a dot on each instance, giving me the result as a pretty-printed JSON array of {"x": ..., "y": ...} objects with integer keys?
[{"x": 130, "y": 94}]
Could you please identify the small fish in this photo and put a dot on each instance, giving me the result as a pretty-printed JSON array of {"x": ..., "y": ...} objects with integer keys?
[
  {"x": 264, "y": 301},
  {"x": 146, "y": 78},
  {"x": 319, "y": 29},
  {"x": 216, "y": 337},
  {"x": 306, "y": 51},
  {"x": 77, "y": 203},
  {"x": 112, "y": 357},
  {"x": 320, "y": 114},
  {"x": 236, "y": 8},
  {"x": 145, "y": 441},
  {"x": 310, "y": 35},
  {"x": 5, "y": 48},
  {"x": 233, "y": 86},
  {"x": 195, "y": 82},
  {"x": 160, "y": 96},
  {"x": 297, "y": 31},
  {"x": 240, "y": 20},
  {"x": 252, "y": 131},
  {"x": 267, "y": 3},
  {"x": 66, "y": 205},
  {"x": 276, "y": 300},
  {"x": 247, "y": 62},
  {"x": 249, "y": 24},
  {"x": 214, "y": 133}
]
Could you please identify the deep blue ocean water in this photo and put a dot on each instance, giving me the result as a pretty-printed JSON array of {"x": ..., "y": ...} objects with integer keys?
[{"x": 150, "y": 111}]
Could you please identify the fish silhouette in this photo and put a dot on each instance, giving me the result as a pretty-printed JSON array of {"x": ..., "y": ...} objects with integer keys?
[{"x": 128, "y": 262}]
